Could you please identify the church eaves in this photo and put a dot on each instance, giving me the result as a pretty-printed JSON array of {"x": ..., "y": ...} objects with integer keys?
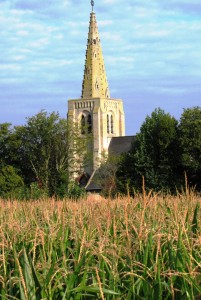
[{"x": 95, "y": 84}]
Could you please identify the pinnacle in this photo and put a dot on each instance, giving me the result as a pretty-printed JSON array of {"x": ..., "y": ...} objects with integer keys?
[{"x": 95, "y": 83}]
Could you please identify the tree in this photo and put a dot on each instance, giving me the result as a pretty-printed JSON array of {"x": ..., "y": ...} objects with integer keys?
[
  {"x": 128, "y": 178},
  {"x": 47, "y": 150},
  {"x": 9, "y": 144},
  {"x": 9, "y": 181},
  {"x": 4, "y": 135},
  {"x": 52, "y": 148},
  {"x": 154, "y": 155},
  {"x": 190, "y": 140},
  {"x": 105, "y": 176}
]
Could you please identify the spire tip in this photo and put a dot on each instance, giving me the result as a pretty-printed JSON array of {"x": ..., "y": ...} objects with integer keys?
[{"x": 92, "y": 5}]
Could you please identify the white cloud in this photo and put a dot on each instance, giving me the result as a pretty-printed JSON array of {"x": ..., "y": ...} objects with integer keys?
[
  {"x": 150, "y": 48},
  {"x": 102, "y": 23},
  {"x": 110, "y": 36},
  {"x": 66, "y": 3},
  {"x": 18, "y": 57},
  {"x": 39, "y": 43},
  {"x": 22, "y": 33},
  {"x": 110, "y": 1}
]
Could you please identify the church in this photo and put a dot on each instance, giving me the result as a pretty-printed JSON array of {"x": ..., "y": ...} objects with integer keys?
[{"x": 96, "y": 110}]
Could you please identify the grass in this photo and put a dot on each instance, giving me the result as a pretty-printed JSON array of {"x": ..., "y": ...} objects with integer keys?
[{"x": 148, "y": 247}]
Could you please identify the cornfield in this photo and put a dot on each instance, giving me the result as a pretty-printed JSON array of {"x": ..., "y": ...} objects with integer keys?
[{"x": 147, "y": 247}]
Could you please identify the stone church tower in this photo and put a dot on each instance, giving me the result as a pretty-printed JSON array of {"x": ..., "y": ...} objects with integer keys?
[{"x": 102, "y": 115}]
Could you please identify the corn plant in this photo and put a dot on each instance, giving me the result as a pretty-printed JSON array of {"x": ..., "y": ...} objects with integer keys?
[{"x": 147, "y": 247}]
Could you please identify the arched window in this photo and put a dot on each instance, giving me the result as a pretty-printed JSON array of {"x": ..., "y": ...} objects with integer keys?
[
  {"x": 89, "y": 123},
  {"x": 112, "y": 124},
  {"x": 83, "y": 125},
  {"x": 108, "y": 124},
  {"x": 86, "y": 123}
]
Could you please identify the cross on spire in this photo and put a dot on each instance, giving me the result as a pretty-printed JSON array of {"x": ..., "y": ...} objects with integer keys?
[{"x": 92, "y": 5}]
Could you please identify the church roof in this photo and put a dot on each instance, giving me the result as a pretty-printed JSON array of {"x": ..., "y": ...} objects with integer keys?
[
  {"x": 120, "y": 144},
  {"x": 92, "y": 185},
  {"x": 95, "y": 84}
]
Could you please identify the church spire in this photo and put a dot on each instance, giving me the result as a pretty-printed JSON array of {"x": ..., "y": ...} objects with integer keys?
[{"x": 95, "y": 83}]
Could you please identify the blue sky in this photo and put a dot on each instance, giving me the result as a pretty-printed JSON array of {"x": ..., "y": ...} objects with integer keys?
[{"x": 152, "y": 52}]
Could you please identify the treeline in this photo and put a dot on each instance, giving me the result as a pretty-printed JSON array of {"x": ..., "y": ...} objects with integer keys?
[
  {"x": 165, "y": 156},
  {"x": 36, "y": 159},
  {"x": 166, "y": 152}
]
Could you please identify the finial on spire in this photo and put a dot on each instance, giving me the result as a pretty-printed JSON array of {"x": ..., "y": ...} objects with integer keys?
[{"x": 92, "y": 5}]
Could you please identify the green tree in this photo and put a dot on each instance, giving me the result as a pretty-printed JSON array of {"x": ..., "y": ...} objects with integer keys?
[
  {"x": 4, "y": 135},
  {"x": 154, "y": 155},
  {"x": 190, "y": 140},
  {"x": 52, "y": 148},
  {"x": 10, "y": 181},
  {"x": 47, "y": 150},
  {"x": 9, "y": 144},
  {"x": 128, "y": 178}
]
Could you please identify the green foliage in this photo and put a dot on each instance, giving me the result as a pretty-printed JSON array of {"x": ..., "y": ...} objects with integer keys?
[
  {"x": 105, "y": 176},
  {"x": 155, "y": 154},
  {"x": 75, "y": 191},
  {"x": 128, "y": 178},
  {"x": 41, "y": 146},
  {"x": 9, "y": 145},
  {"x": 5, "y": 132},
  {"x": 190, "y": 140},
  {"x": 47, "y": 150},
  {"x": 10, "y": 182},
  {"x": 35, "y": 192},
  {"x": 61, "y": 184}
]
